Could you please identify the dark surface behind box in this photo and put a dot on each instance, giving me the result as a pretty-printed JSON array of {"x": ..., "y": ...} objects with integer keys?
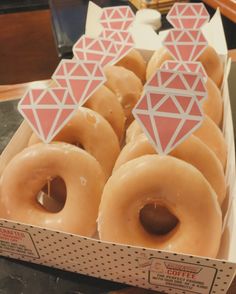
[
  {"x": 68, "y": 21},
  {"x": 69, "y": 17},
  {"x": 9, "y": 6}
]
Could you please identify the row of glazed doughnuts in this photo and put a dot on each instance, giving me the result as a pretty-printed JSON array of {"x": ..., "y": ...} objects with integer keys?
[
  {"x": 79, "y": 172},
  {"x": 197, "y": 172},
  {"x": 170, "y": 202}
]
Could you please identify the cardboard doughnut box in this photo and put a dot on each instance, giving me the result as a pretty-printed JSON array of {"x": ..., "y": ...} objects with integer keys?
[{"x": 152, "y": 269}]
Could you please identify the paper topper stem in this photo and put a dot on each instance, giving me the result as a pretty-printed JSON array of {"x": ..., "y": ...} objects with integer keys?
[{"x": 169, "y": 110}]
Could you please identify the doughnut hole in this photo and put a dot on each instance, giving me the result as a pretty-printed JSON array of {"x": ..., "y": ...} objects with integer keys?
[
  {"x": 157, "y": 219},
  {"x": 53, "y": 195}
]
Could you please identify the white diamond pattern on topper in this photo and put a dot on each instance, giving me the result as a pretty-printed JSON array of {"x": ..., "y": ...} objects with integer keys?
[
  {"x": 117, "y": 17},
  {"x": 47, "y": 110},
  {"x": 169, "y": 110},
  {"x": 185, "y": 45},
  {"x": 188, "y": 15},
  {"x": 123, "y": 39},
  {"x": 82, "y": 78},
  {"x": 102, "y": 50},
  {"x": 194, "y": 67}
]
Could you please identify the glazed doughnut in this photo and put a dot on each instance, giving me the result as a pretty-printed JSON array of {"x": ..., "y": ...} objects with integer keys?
[
  {"x": 213, "y": 65},
  {"x": 208, "y": 132},
  {"x": 133, "y": 131},
  {"x": 192, "y": 150},
  {"x": 105, "y": 103},
  {"x": 134, "y": 62},
  {"x": 212, "y": 136},
  {"x": 209, "y": 58},
  {"x": 126, "y": 86},
  {"x": 213, "y": 104},
  {"x": 30, "y": 170},
  {"x": 158, "y": 57},
  {"x": 168, "y": 182},
  {"x": 94, "y": 133}
]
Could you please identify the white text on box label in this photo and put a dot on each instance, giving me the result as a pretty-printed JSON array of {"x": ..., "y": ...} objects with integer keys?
[{"x": 188, "y": 277}]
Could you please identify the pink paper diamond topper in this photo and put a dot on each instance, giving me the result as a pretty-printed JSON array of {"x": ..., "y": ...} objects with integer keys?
[
  {"x": 187, "y": 82},
  {"x": 169, "y": 110},
  {"x": 194, "y": 67},
  {"x": 101, "y": 50},
  {"x": 188, "y": 15},
  {"x": 47, "y": 110},
  {"x": 82, "y": 78},
  {"x": 117, "y": 17},
  {"x": 185, "y": 45},
  {"x": 122, "y": 39}
]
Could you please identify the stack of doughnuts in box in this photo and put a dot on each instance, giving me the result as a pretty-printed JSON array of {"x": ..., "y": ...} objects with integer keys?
[{"x": 156, "y": 181}]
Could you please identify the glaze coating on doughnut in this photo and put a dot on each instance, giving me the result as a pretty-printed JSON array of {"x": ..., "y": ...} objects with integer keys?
[
  {"x": 213, "y": 105},
  {"x": 166, "y": 181},
  {"x": 29, "y": 171},
  {"x": 104, "y": 102},
  {"x": 158, "y": 57},
  {"x": 94, "y": 133},
  {"x": 126, "y": 86},
  {"x": 209, "y": 58},
  {"x": 208, "y": 132},
  {"x": 134, "y": 62},
  {"x": 213, "y": 65},
  {"x": 192, "y": 150},
  {"x": 212, "y": 136},
  {"x": 133, "y": 131}
]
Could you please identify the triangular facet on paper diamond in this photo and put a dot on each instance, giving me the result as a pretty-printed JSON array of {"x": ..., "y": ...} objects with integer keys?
[
  {"x": 169, "y": 106},
  {"x": 64, "y": 116},
  {"x": 48, "y": 100},
  {"x": 184, "y": 101},
  {"x": 29, "y": 116},
  {"x": 35, "y": 94},
  {"x": 187, "y": 129},
  {"x": 44, "y": 116},
  {"x": 142, "y": 104},
  {"x": 167, "y": 113},
  {"x": 155, "y": 98},
  {"x": 27, "y": 99},
  {"x": 166, "y": 128},
  {"x": 145, "y": 120}
]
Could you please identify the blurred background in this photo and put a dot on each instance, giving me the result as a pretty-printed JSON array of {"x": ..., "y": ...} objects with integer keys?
[{"x": 35, "y": 34}]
